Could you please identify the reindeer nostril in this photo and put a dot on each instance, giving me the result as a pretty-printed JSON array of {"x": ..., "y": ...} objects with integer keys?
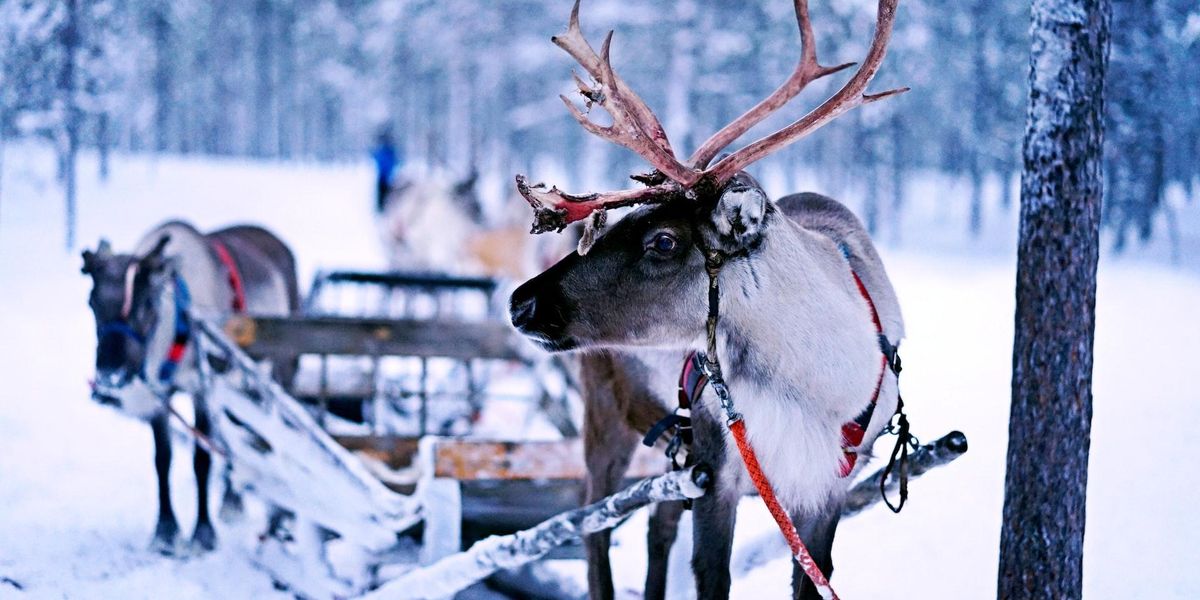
[{"x": 521, "y": 311}]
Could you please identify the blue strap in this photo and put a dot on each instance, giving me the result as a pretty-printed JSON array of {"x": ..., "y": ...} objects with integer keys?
[
  {"x": 183, "y": 332},
  {"x": 183, "y": 303},
  {"x": 123, "y": 329},
  {"x": 661, "y": 427}
]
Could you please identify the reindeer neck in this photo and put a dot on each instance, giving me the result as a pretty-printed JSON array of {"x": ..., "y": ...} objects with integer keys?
[
  {"x": 793, "y": 325},
  {"x": 159, "y": 342}
]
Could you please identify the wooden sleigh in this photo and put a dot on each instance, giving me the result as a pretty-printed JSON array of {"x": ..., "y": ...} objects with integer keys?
[{"x": 372, "y": 507}]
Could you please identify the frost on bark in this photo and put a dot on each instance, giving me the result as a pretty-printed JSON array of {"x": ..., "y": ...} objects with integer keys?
[{"x": 1041, "y": 545}]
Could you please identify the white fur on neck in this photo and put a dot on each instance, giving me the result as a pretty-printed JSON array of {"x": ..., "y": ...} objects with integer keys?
[{"x": 810, "y": 334}]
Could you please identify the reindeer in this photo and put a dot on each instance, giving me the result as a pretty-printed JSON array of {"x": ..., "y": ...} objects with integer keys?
[
  {"x": 798, "y": 305},
  {"x": 426, "y": 223},
  {"x": 433, "y": 225},
  {"x": 143, "y": 303}
]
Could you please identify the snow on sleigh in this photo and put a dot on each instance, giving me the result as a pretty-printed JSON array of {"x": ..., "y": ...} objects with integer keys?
[
  {"x": 419, "y": 425},
  {"x": 349, "y": 533},
  {"x": 427, "y": 422}
]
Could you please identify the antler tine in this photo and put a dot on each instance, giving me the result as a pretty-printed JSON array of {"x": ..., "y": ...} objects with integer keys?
[
  {"x": 554, "y": 209},
  {"x": 807, "y": 71},
  {"x": 851, "y": 95},
  {"x": 577, "y": 46},
  {"x": 634, "y": 124}
]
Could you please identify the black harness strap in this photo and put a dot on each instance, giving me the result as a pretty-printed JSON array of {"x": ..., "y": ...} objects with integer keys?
[
  {"x": 695, "y": 377},
  {"x": 692, "y": 381},
  {"x": 898, "y": 461}
]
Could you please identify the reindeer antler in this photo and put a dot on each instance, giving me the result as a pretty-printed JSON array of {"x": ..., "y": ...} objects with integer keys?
[
  {"x": 852, "y": 95},
  {"x": 807, "y": 71},
  {"x": 634, "y": 124},
  {"x": 636, "y": 128}
]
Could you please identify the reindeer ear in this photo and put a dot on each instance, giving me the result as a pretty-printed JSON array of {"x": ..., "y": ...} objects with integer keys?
[
  {"x": 154, "y": 260},
  {"x": 740, "y": 216},
  {"x": 89, "y": 262}
]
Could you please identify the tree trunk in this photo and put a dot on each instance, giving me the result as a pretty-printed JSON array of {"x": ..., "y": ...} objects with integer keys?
[
  {"x": 981, "y": 141},
  {"x": 682, "y": 74},
  {"x": 263, "y": 80},
  {"x": 103, "y": 146},
  {"x": 68, "y": 90},
  {"x": 897, "y": 176},
  {"x": 871, "y": 209},
  {"x": 161, "y": 26},
  {"x": 3, "y": 142},
  {"x": 1041, "y": 543},
  {"x": 975, "y": 225}
]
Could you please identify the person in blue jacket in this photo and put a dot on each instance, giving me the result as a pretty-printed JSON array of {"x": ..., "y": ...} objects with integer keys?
[{"x": 387, "y": 161}]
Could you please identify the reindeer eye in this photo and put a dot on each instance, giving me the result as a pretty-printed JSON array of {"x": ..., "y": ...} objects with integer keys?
[{"x": 664, "y": 243}]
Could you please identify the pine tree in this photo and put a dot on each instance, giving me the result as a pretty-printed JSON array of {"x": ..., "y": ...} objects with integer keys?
[{"x": 1045, "y": 491}]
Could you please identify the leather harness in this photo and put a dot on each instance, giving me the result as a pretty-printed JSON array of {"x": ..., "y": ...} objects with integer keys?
[
  {"x": 704, "y": 369},
  {"x": 183, "y": 324},
  {"x": 693, "y": 380}
]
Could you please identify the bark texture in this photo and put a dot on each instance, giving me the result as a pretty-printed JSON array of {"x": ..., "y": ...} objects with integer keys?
[{"x": 1041, "y": 545}]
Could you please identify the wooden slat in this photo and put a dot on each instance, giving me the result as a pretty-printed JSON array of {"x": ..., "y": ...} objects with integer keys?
[
  {"x": 470, "y": 460},
  {"x": 288, "y": 336},
  {"x": 395, "y": 452},
  {"x": 483, "y": 460},
  {"x": 402, "y": 279}
]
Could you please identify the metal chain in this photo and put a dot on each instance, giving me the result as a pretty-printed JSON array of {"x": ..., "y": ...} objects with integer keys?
[{"x": 713, "y": 261}]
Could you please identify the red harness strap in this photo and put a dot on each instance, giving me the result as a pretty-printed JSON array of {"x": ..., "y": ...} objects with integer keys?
[
  {"x": 853, "y": 431},
  {"x": 852, "y": 436},
  {"x": 692, "y": 382},
  {"x": 235, "y": 276},
  {"x": 690, "y": 386},
  {"x": 799, "y": 550}
]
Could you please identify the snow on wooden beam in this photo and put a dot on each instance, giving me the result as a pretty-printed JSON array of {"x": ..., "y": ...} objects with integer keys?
[
  {"x": 288, "y": 336},
  {"x": 458, "y": 571},
  {"x": 277, "y": 449}
]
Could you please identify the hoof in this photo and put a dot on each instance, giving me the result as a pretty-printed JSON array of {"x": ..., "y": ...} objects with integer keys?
[
  {"x": 204, "y": 539},
  {"x": 166, "y": 538},
  {"x": 232, "y": 510}
]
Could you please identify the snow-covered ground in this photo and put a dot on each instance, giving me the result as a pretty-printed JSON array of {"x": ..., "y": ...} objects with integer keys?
[{"x": 77, "y": 500}]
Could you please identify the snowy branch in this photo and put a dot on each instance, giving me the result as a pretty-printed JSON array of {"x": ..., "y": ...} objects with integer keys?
[
  {"x": 453, "y": 573},
  {"x": 866, "y": 493}
]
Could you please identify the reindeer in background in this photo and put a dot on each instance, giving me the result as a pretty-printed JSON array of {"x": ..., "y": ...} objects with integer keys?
[
  {"x": 144, "y": 304},
  {"x": 426, "y": 222},
  {"x": 808, "y": 320},
  {"x": 436, "y": 225}
]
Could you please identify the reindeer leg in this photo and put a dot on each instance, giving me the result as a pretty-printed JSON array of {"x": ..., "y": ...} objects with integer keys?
[
  {"x": 817, "y": 533},
  {"x": 664, "y": 526},
  {"x": 167, "y": 528},
  {"x": 204, "y": 538},
  {"x": 607, "y": 459},
  {"x": 608, "y": 445},
  {"x": 714, "y": 514}
]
